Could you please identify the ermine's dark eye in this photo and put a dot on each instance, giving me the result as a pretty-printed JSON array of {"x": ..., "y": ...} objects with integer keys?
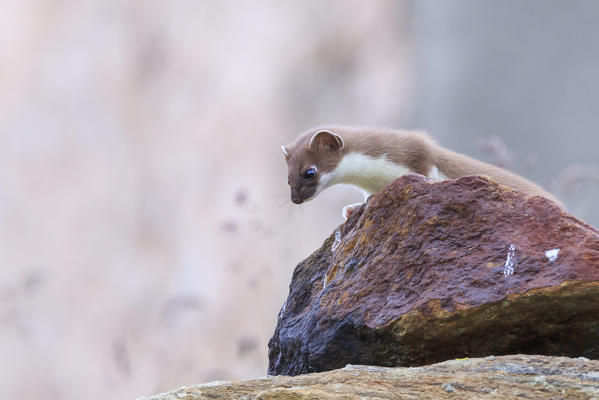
[
  {"x": 310, "y": 173},
  {"x": 288, "y": 182}
]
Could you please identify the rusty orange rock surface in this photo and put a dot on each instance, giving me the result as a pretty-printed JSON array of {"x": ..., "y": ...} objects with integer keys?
[{"x": 429, "y": 271}]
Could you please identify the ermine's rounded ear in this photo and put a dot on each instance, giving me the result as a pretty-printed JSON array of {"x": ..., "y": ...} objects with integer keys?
[
  {"x": 285, "y": 152},
  {"x": 326, "y": 140}
]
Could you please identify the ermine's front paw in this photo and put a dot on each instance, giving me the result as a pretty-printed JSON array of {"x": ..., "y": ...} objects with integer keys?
[{"x": 350, "y": 209}]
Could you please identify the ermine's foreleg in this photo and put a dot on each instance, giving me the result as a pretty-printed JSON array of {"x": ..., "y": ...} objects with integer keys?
[{"x": 350, "y": 208}]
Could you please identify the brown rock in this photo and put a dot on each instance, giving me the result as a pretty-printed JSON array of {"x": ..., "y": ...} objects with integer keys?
[
  {"x": 426, "y": 272},
  {"x": 506, "y": 377}
]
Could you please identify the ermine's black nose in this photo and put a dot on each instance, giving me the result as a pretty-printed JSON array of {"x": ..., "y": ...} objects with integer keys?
[{"x": 296, "y": 197}]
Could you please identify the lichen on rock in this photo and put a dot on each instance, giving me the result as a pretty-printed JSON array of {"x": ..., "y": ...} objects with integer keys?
[{"x": 506, "y": 377}]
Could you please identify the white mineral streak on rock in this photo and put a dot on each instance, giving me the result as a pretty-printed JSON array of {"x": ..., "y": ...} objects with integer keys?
[
  {"x": 509, "y": 262},
  {"x": 552, "y": 254},
  {"x": 337, "y": 240}
]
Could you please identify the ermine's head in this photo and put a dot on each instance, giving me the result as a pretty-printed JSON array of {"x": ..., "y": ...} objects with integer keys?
[{"x": 310, "y": 161}]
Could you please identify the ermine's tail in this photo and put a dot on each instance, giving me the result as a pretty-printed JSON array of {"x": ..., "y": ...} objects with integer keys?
[{"x": 455, "y": 165}]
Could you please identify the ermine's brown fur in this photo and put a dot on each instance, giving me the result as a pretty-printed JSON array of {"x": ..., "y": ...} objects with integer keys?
[{"x": 371, "y": 158}]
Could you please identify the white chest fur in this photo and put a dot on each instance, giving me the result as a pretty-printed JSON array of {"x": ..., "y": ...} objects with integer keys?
[
  {"x": 371, "y": 174},
  {"x": 368, "y": 173}
]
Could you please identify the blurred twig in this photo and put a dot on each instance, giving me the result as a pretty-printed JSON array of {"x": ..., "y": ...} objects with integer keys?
[
  {"x": 582, "y": 183},
  {"x": 576, "y": 174},
  {"x": 500, "y": 154}
]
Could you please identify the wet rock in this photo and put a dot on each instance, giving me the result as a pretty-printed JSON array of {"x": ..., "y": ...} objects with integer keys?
[
  {"x": 506, "y": 377},
  {"x": 426, "y": 272}
]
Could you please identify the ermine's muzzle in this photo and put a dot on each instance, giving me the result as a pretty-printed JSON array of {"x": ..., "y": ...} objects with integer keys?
[{"x": 296, "y": 197}]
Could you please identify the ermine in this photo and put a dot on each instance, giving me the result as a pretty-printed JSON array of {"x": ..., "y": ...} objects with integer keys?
[{"x": 371, "y": 158}]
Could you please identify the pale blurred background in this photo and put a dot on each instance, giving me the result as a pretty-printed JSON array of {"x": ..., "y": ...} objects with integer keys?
[{"x": 146, "y": 236}]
